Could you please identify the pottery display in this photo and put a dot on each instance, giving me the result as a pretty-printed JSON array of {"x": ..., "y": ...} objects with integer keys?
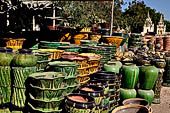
[
  {"x": 77, "y": 103},
  {"x": 130, "y": 74},
  {"x": 6, "y": 56},
  {"x": 96, "y": 92},
  {"x": 148, "y": 76},
  {"x": 25, "y": 58},
  {"x": 127, "y": 93},
  {"x": 146, "y": 94}
]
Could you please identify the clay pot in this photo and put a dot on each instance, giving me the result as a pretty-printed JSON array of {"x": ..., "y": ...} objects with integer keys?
[
  {"x": 130, "y": 74},
  {"x": 94, "y": 91},
  {"x": 77, "y": 103},
  {"x": 148, "y": 76},
  {"x": 127, "y": 93},
  {"x": 138, "y": 101},
  {"x": 146, "y": 94}
]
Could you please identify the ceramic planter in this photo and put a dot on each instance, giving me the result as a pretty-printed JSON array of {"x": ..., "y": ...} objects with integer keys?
[
  {"x": 41, "y": 56},
  {"x": 79, "y": 103},
  {"x": 6, "y": 56},
  {"x": 146, "y": 94},
  {"x": 89, "y": 42},
  {"x": 148, "y": 76},
  {"x": 70, "y": 48},
  {"x": 130, "y": 74},
  {"x": 138, "y": 101},
  {"x": 166, "y": 77},
  {"x": 94, "y": 91},
  {"x": 25, "y": 58},
  {"x": 41, "y": 65},
  {"x": 127, "y": 93},
  {"x": 51, "y": 80},
  {"x": 63, "y": 66},
  {"x": 46, "y": 94},
  {"x": 111, "y": 67},
  {"x": 118, "y": 63}
]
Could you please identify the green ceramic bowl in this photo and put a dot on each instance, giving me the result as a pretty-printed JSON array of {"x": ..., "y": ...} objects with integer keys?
[
  {"x": 63, "y": 66},
  {"x": 51, "y": 80}
]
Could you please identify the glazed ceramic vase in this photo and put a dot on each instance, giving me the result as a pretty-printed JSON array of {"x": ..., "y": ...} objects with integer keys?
[
  {"x": 146, "y": 94},
  {"x": 118, "y": 63},
  {"x": 130, "y": 74},
  {"x": 111, "y": 67},
  {"x": 6, "y": 56},
  {"x": 25, "y": 58},
  {"x": 127, "y": 93},
  {"x": 148, "y": 76}
]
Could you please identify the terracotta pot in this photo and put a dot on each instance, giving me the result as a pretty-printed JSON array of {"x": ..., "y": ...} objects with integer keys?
[{"x": 138, "y": 101}]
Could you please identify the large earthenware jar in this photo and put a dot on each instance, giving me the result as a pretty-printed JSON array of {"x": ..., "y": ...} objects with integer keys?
[
  {"x": 25, "y": 58},
  {"x": 127, "y": 93},
  {"x": 130, "y": 74},
  {"x": 146, "y": 94},
  {"x": 96, "y": 92},
  {"x": 79, "y": 103},
  {"x": 111, "y": 67},
  {"x": 138, "y": 101},
  {"x": 6, "y": 56},
  {"x": 148, "y": 76}
]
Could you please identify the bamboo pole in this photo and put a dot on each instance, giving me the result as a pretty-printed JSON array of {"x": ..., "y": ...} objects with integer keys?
[{"x": 113, "y": 4}]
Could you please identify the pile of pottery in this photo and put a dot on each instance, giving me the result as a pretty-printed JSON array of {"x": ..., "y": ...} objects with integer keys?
[
  {"x": 42, "y": 59},
  {"x": 45, "y": 91},
  {"x": 24, "y": 63},
  {"x": 6, "y": 56},
  {"x": 111, "y": 83},
  {"x": 135, "y": 40}
]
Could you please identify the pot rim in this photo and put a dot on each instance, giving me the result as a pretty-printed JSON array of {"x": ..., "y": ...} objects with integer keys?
[{"x": 135, "y": 99}]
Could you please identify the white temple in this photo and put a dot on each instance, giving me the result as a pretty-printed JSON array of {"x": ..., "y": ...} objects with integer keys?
[
  {"x": 148, "y": 26},
  {"x": 161, "y": 27}
]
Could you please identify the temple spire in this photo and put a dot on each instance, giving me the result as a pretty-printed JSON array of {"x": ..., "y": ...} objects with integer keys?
[
  {"x": 161, "y": 20},
  {"x": 148, "y": 15}
]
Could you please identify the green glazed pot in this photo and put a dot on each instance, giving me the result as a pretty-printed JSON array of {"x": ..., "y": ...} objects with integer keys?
[
  {"x": 25, "y": 58},
  {"x": 146, "y": 94},
  {"x": 130, "y": 74},
  {"x": 111, "y": 67},
  {"x": 118, "y": 63},
  {"x": 127, "y": 93},
  {"x": 70, "y": 48},
  {"x": 52, "y": 80},
  {"x": 63, "y": 66},
  {"x": 41, "y": 65},
  {"x": 46, "y": 94},
  {"x": 148, "y": 76},
  {"x": 41, "y": 56},
  {"x": 6, "y": 56}
]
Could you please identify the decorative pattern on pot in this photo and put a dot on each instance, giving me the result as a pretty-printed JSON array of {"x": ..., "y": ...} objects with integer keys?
[
  {"x": 83, "y": 79},
  {"x": 79, "y": 103},
  {"x": 130, "y": 74},
  {"x": 148, "y": 76},
  {"x": 25, "y": 58},
  {"x": 41, "y": 65},
  {"x": 94, "y": 91},
  {"x": 55, "y": 54},
  {"x": 20, "y": 75},
  {"x": 146, "y": 94},
  {"x": 63, "y": 66},
  {"x": 5, "y": 84},
  {"x": 52, "y": 80}
]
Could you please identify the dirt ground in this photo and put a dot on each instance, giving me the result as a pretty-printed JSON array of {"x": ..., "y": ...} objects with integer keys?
[{"x": 164, "y": 106}]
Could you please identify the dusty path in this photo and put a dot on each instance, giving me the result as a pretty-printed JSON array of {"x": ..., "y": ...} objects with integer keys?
[{"x": 164, "y": 107}]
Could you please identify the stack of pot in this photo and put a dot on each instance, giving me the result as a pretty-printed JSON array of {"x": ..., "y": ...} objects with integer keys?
[
  {"x": 6, "y": 57},
  {"x": 70, "y": 68},
  {"x": 148, "y": 76},
  {"x": 45, "y": 92},
  {"x": 42, "y": 59},
  {"x": 130, "y": 74},
  {"x": 135, "y": 40},
  {"x": 24, "y": 63},
  {"x": 113, "y": 81}
]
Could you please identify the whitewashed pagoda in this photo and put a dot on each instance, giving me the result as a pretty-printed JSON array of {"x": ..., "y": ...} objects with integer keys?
[
  {"x": 161, "y": 27},
  {"x": 148, "y": 26}
]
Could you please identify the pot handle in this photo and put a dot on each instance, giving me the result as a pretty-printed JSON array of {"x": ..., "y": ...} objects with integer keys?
[{"x": 150, "y": 110}]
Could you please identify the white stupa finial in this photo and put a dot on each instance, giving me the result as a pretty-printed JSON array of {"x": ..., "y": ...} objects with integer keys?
[
  {"x": 161, "y": 20},
  {"x": 148, "y": 15}
]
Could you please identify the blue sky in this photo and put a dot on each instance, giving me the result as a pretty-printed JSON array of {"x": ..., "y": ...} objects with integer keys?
[{"x": 162, "y": 6}]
